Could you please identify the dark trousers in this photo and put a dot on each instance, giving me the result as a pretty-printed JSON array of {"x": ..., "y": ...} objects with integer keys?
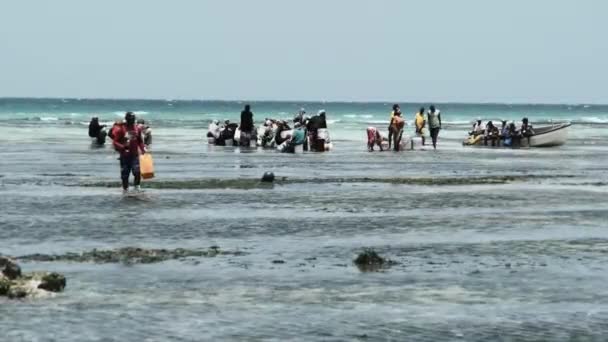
[
  {"x": 245, "y": 138},
  {"x": 434, "y": 135},
  {"x": 129, "y": 164},
  {"x": 316, "y": 144}
]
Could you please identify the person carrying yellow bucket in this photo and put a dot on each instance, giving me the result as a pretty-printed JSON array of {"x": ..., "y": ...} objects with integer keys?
[{"x": 128, "y": 141}]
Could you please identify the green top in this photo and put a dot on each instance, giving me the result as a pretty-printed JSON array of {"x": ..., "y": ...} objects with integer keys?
[
  {"x": 299, "y": 136},
  {"x": 433, "y": 119}
]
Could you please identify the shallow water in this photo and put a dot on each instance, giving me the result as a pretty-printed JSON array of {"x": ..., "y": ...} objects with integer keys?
[{"x": 481, "y": 256}]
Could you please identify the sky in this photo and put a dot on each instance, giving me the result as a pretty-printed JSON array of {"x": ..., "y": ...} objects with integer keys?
[{"x": 516, "y": 51}]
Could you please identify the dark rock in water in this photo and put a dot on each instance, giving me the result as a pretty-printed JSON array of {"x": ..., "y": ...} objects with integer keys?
[
  {"x": 369, "y": 260},
  {"x": 369, "y": 257},
  {"x": 17, "y": 292},
  {"x": 12, "y": 271},
  {"x": 15, "y": 285},
  {"x": 53, "y": 282},
  {"x": 268, "y": 177},
  {"x": 9, "y": 268},
  {"x": 278, "y": 261}
]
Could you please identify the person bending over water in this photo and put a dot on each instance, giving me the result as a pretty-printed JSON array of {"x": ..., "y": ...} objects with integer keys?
[
  {"x": 434, "y": 120},
  {"x": 128, "y": 142},
  {"x": 374, "y": 137}
]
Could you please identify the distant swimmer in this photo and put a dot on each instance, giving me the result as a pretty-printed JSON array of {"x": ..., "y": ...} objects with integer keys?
[
  {"x": 420, "y": 123},
  {"x": 128, "y": 141},
  {"x": 434, "y": 121}
]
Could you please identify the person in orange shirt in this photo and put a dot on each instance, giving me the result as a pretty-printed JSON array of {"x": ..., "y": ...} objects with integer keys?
[{"x": 397, "y": 124}]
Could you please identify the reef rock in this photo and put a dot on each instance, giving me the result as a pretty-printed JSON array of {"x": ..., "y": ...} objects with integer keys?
[
  {"x": 53, "y": 282},
  {"x": 15, "y": 285},
  {"x": 369, "y": 260},
  {"x": 9, "y": 268},
  {"x": 130, "y": 255}
]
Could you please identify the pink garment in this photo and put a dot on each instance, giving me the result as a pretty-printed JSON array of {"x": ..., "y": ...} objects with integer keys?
[{"x": 373, "y": 136}]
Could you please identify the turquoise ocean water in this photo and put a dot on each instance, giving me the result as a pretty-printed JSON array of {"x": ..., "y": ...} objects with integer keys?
[{"x": 490, "y": 244}]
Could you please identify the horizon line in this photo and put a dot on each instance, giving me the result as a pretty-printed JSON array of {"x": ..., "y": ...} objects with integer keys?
[{"x": 296, "y": 101}]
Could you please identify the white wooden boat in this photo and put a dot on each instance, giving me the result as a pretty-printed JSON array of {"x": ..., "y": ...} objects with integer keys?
[
  {"x": 548, "y": 136},
  {"x": 545, "y": 136}
]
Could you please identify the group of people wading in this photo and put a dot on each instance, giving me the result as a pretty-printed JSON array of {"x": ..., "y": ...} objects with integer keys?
[
  {"x": 396, "y": 126},
  {"x": 309, "y": 132}
]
